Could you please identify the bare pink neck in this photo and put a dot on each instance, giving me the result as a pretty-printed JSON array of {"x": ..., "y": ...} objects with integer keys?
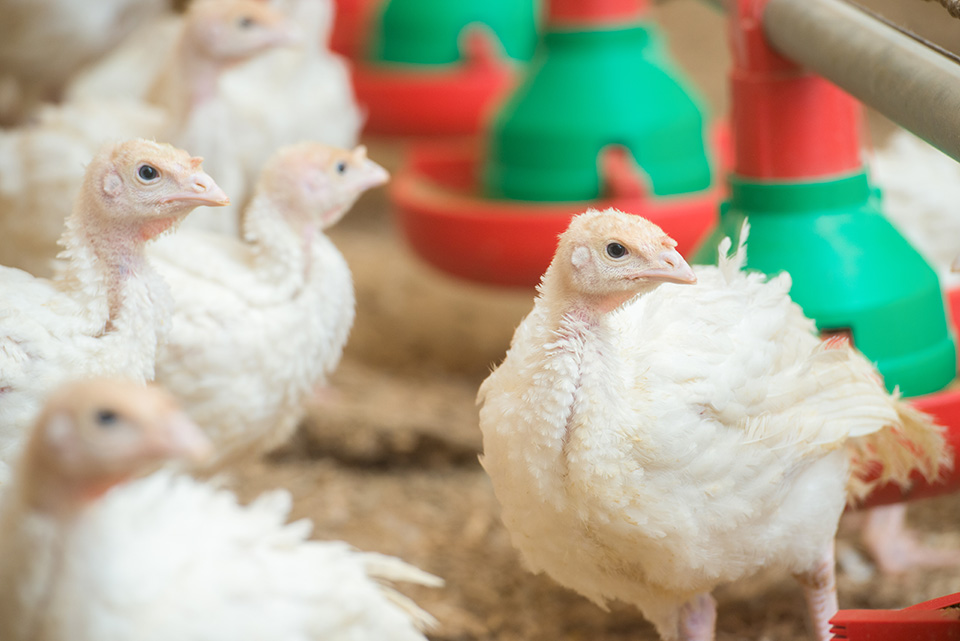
[{"x": 189, "y": 80}]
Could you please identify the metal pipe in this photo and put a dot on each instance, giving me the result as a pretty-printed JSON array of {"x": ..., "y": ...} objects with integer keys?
[{"x": 912, "y": 82}]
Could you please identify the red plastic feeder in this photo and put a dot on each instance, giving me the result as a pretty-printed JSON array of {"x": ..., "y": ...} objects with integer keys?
[
  {"x": 934, "y": 620},
  {"x": 449, "y": 223},
  {"x": 350, "y": 26},
  {"x": 449, "y": 101},
  {"x": 953, "y": 308}
]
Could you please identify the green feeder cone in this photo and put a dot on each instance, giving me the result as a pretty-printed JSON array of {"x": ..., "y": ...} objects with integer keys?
[
  {"x": 591, "y": 85},
  {"x": 428, "y": 32},
  {"x": 852, "y": 271}
]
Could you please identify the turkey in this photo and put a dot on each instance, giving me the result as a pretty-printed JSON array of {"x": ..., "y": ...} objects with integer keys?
[
  {"x": 655, "y": 432},
  {"x": 294, "y": 93},
  {"x": 41, "y": 165},
  {"x": 260, "y": 323},
  {"x": 91, "y": 552},
  {"x": 106, "y": 311}
]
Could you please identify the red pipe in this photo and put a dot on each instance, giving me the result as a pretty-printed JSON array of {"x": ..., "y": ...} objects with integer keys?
[{"x": 788, "y": 122}]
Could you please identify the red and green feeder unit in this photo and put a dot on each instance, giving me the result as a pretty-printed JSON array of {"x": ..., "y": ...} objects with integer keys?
[
  {"x": 601, "y": 77},
  {"x": 434, "y": 67},
  {"x": 601, "y": 118},
  {"x": 800, "y": 180}
]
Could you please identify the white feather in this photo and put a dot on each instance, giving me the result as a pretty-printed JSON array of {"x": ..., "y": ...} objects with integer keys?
[
  {"x": 687, "y": 439},
  {"x": 167, "y": 557}
]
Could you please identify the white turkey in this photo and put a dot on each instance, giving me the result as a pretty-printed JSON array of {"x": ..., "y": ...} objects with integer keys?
[
  {"x": 91, "y": 552},
  {"x": 106, "y": 311},
  {"x": 655, "y": 432},
  {"x": 260, "y": 323}
]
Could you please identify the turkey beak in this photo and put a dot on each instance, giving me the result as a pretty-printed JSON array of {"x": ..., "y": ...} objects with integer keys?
[
  {"x": 376, "y": 175},
  {"x": 672, "y": 269},
  {"x": 201, "y": 190},
  {"x": 182, "y": 439}
]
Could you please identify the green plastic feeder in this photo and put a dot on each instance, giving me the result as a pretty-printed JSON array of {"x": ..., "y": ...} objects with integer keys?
[
  {"x": 852, "y": 271},
  {"x": 799, "y": 180},
  {"x": 595, "y": 83},
  {"x": 428, "y": 32}
]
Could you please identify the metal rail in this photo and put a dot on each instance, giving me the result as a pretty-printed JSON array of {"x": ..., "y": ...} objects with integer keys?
[{"x": 911, "y": 81}]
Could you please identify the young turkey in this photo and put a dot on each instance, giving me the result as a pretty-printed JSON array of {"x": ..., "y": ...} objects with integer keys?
[
  {"x": 294, "y": 93},
  {"x": 649, "y": 441},
  {"x": 41, "y": 165},
  {"x": 216, "y": 36},
  {"x": 106, "y": 311},
  {"x": 260, "y": 323},
  {"x": 87, "y": 554}
]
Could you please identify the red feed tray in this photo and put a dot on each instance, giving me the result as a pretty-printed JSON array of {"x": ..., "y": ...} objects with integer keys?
[
  {"x": 351, "y": 24},
  {"x": 934, "y": 620},
  {"x": 945, "y": 407},
  {"x": 953, "y": 308},
  {"x": 509, "y": 242},
  {"x": 448, "y": 100}
]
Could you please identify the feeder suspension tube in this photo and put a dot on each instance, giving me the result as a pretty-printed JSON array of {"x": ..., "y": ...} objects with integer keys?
[{"x": 909, "y": 81}]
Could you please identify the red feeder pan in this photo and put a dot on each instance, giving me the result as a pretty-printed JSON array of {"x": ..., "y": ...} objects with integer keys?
[
  {"x": 509, "y": 242},
  {"x": 953, "y": 308},
  {"x": 945, "y": 408},
  {"x": 350, "y": 26},
  {"x": 934, "y": 620},
  {"x": 449, "y": 101}
]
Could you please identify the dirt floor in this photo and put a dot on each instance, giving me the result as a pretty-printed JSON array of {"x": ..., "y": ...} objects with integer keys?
[{"x": 388, "y": 458}]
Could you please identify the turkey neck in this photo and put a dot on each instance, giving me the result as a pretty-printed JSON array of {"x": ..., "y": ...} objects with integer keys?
[
  {"x": 283, "y": 245},
  {"x": 33, "y": 553},
  {"x": 314, "y": 18},
  {"x": 578, "y": 358},
  {"x": 563, "y": 302},
  {"x": 102, "y": 268},
  {"x": 188, "y": 81}
]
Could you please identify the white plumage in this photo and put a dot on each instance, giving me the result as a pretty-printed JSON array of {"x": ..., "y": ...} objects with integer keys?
[
  {"x": 167, "y": 557},
  {"x": 921, "y": 195},
  {"x": 106, "y": 311},
  {"x": 260, "y": 323},
  {"x": 296, "y": 93},
  {"x": 651, "y": 449}
]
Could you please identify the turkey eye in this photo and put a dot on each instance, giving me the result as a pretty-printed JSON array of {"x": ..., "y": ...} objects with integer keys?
[
  {"x": 245, "y": 22},
  {"x": 616, "y": 250},
  {"x": 148, "y": 173},
  {"x": 341, "y": 167},
  {"x": 106, "y": 418}
]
